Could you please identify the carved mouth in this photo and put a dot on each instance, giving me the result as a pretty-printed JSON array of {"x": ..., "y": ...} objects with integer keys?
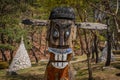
[
  {"x": 60, "y": 57},
  {"x": 60, "y": 51},
  {"x": 60, "y": 65}
]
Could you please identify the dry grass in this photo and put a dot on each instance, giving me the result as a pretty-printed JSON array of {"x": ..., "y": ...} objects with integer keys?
[{"x": 36, "y": 72}]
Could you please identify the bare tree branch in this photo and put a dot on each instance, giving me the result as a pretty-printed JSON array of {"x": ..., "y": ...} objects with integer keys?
[
  {"x": 94, "y": 6},
  {"x": 117, "y": 8}
]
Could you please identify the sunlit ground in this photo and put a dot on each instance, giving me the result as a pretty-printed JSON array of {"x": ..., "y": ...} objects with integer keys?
[{"x": 36, "y": 72}]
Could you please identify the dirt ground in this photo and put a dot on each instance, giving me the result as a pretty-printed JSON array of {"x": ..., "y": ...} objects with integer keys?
[{"x": 36, "y": 72}]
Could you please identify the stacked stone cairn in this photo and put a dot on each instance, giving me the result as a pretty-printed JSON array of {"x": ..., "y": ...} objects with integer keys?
[{"x": 20, "y": 61}]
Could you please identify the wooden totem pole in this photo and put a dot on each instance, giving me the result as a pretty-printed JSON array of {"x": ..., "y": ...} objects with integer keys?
[{"x": 61, "y": 33}]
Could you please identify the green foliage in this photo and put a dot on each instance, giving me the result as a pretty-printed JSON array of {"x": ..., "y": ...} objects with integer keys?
[
  {"x": 101, "y": 38},
  {"x": 13, "y": 11},
  {"x": 4, "y": 65},
  {"x": 7, "y": 47},
  {"x": 95, "y": 1},
  {"x": 28, "y": 44},
  {"x": 77, "y": 47}
]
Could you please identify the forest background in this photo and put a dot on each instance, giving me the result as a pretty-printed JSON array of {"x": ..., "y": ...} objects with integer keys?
[{"x": 12, "y": 12}]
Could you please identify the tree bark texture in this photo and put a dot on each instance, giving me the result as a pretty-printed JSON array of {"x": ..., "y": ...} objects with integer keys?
[
  {"x": 108, "y": 50},
  {"x": 109, "y": 35},
  {"x": 88, "y": 57},
  {"x": 4, "y": 58},
  {"x": 36, "y": 59},
  {"x": 96, "y": 48}
]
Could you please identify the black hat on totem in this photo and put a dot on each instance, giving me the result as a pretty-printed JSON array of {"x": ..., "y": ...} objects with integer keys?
[{"x": 62, "y": 13}]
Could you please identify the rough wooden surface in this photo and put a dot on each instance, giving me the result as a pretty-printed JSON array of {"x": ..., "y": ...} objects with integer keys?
[
  {"x": 83, "y": 25},
  {"x": 53, "y": 73}
]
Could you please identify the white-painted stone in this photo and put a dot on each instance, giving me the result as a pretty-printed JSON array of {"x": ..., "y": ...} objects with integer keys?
[{"x": 21, "y": 60}]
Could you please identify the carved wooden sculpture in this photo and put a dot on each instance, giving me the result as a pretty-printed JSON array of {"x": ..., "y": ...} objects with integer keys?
[{"x": 60, "y": 35}]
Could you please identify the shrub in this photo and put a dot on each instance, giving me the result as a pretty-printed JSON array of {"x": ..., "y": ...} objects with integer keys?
[{"x": 3, "y": 65}]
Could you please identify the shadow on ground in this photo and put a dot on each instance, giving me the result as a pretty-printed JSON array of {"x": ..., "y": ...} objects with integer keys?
[
  {"x": 116, "y": 65},
  {"x": 26, "y": 76},
  {"x": 118, "y": 74}
]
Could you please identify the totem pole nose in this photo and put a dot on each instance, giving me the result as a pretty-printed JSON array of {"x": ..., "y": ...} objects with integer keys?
[{"x": 61, "y": 41}]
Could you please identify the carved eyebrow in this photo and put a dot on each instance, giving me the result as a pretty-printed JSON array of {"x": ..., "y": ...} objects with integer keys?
[
  {"x": 56, "y": 26},
  {"x": 62, "y": 21},
  {"x": 63, "y": 25},
  {"x": 60, "y": 25},
  {"x": 67, "y": 26}
]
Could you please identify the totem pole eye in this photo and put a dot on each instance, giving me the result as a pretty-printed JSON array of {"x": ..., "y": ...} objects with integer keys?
[
  {"x": 55, "y": 34},
  {"x": 66, "y": 35}
]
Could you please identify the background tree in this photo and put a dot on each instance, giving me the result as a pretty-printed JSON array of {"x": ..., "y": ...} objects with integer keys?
[
  {"x": 13, "y": 11},
  {"x": 10, "y": 30}
]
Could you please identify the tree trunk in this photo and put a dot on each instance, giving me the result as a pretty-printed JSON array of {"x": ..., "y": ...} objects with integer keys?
[
  {"x": 40, "y": 38},
  {"x": 36, "y": 59},
  {"x": 81, "y": 43},
  {"x": 4, "y": 58},
  {"x": 10, "y": 41},
  {"x": 116, "y": 44},
  {"x": 88, "y": 57},
  {"x": 93, "y": 51},
  {"x": 11, "y": 55},
  {"x": 96, "y": 48},
  {"x": 89, "y": 67},
  {"x": 2, "y": 38},
  {"x": 93, "y": 56},
  {"x": 108, "y": 45},
  {"x": 108, "y": 50}
]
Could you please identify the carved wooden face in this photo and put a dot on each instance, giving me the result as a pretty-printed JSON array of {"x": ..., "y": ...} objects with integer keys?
[{"x": 61, "y": 33}]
